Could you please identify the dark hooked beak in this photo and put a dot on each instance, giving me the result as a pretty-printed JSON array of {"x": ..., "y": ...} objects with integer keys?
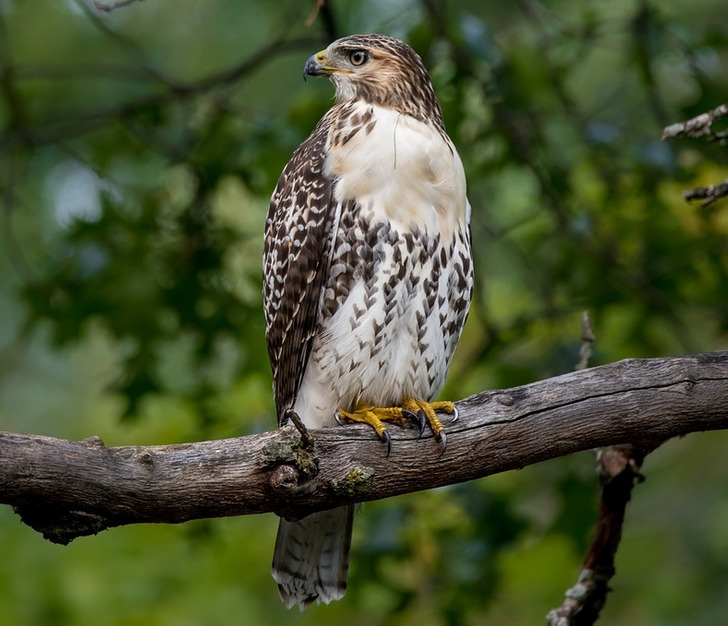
[{"x": 313, "y": 66}]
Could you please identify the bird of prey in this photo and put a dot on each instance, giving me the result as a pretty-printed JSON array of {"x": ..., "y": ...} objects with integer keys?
[{"x": 367, "y": 276}]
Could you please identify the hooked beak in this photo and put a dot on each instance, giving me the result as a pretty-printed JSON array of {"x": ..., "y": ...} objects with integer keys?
[{"x": 315, "y": 66}]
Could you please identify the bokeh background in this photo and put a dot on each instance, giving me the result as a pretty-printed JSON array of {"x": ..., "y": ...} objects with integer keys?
[{"x": 138, "y": 149}]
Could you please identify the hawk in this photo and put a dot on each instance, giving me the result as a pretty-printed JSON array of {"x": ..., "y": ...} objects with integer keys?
[{"x": 367, "y": 276}]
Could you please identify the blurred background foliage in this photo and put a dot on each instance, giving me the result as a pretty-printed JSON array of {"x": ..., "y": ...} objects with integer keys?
[{"x": 138, "y": 151}]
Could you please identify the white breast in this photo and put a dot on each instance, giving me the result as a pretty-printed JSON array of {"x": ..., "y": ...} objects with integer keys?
[{"x": 402, "y": 170}]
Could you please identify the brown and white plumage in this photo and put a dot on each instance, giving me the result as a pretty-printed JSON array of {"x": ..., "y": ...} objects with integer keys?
[{"x": 367, "y": 270}]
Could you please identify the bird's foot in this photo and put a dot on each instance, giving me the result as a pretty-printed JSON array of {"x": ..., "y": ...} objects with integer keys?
[
  {"x": 412, "y": 410},
  {"x": 428, "y": 411}
]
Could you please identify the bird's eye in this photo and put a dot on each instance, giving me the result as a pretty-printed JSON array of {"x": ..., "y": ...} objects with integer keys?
[{"x": 358, "y": 57}]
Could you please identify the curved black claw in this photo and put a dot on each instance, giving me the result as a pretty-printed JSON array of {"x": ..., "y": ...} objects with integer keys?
[
  {"x": 442, "y": 440},
  {"x": 388, "y": 439},
  {"x": 418, "y": 419},
  {"x": 337, "y": 417},
  {"x": 455, "y": 414}
]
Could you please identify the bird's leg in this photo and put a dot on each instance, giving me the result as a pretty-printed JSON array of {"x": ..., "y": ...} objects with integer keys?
[{"x": 412, "y": 410}]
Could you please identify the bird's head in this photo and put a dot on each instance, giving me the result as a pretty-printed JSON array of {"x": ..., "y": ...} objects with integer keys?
[{"x": 380, "y": 70}]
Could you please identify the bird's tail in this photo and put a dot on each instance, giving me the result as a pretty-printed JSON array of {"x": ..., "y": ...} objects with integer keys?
[{"x": 311, "y": 557}]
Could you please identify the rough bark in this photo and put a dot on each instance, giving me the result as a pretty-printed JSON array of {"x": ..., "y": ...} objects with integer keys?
[{"x": 67, "y": 489}]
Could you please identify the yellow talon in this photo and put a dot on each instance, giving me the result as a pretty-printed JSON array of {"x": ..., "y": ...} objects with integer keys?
[
  {"x": 429, "y": 410},
  {"x": 372, "y": 415},
  {"x": 411, "y": 410}
]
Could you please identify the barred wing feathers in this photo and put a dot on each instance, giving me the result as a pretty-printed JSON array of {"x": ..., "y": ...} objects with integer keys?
[{"x": 298, "y": 241}]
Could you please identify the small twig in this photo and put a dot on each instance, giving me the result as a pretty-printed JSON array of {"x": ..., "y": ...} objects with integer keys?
[
  {"x": 709, "y": 194},
  {"x": 314, "y": 13},
  {"x": 698, "y": 126},
  {"x": 306, "y": 438},
  {"x": 701, "y": 126},
  {"x": 587, "y": 340},
  {"x": 323, "y": 10},
  {"x": 101, "y": 6},
  {"x": 127, "y": 44},
  {"x": 619, "y": 469}
]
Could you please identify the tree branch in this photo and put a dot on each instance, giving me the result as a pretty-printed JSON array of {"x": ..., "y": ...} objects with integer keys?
[
  {"x": 619, "y": 471},
  {"x": 111, "y": 6},
  {"x": 708, "y": 194},
  {"x": 702, "y": 126},
  {"x": 64, "y": 128},
  {"x": 698, "y": 126},
  {"x": 68, "y": 489},
  {"x": 124, "y": 43}
]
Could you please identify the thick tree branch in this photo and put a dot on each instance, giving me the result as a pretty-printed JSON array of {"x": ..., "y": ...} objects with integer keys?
[{"x": 67, "y": 489}]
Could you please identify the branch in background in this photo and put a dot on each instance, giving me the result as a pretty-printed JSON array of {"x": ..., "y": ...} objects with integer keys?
[
  {"x": 324, "y": 9},
  {"x": 123, "y": 42},
  {"x": 619, "y": 469},
  {"x": 110, "y": 6},
  {"x": 698, "y": 126},
  {"x": 69, "y": 489},
  {"x": 587, "y": 341},
  {"x": 709, "y": 194},
  {"x": 701, "y": 126},
  {"x": 66, "y": 128}
]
